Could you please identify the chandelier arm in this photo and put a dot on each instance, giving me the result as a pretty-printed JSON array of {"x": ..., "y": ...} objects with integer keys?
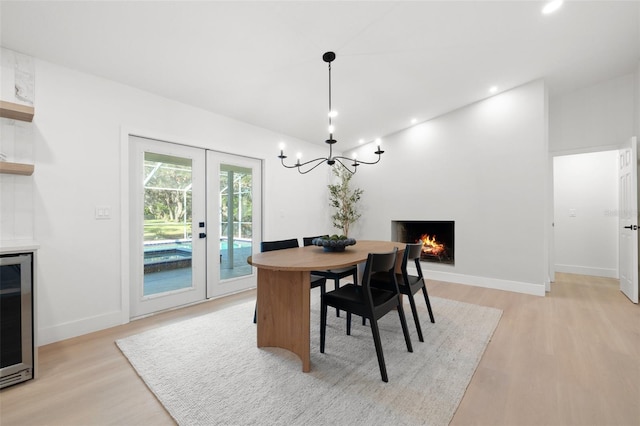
[
  {"x": 320, "y": 161},
  {"x": 343, "y": 165},
  {"x": 298, "y": 166},
  {"x": 358, "y": 160},
  {"x": 288, "y": 167}
]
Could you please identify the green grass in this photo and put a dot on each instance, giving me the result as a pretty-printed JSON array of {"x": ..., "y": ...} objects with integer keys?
[{"x": 160, "y": 230}]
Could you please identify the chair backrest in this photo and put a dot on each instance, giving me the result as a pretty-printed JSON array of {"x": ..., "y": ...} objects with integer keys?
[
  {"x": 279, "y": 245},
  {"x": 307, "y": 241},
  {"x": 412, "y": 252},
  {"x": 379, "y": 262}
]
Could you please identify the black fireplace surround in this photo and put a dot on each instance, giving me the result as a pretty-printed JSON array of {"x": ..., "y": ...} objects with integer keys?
[{"x": 441, "y": 232}]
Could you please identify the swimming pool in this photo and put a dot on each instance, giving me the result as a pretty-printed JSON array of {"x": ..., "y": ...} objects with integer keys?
[
  {"x": 167, "y": 255},
  {"x": 236, "y": 244}
]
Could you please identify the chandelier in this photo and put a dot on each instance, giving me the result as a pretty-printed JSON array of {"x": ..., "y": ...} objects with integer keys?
[{"x": 307, "y": 166}]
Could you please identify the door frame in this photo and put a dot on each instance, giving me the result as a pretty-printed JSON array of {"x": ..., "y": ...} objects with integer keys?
[
  {"x": 125, "y": 229},
  {"x": 562, "y": 153}
]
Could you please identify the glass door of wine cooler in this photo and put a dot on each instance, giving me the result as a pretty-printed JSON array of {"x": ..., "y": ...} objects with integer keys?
[{"x": 16, "y": 319}]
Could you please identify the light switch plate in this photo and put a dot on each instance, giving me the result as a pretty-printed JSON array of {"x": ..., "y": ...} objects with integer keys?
[{"x": 103, "y": 212}]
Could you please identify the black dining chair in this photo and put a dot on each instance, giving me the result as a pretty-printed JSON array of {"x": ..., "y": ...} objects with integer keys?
[
  {"x": 334, "y": 274},
  {"x": 409, "y": 284},
  {"x": 368, "y": 302},
  {"x": 316, "y": 281}
]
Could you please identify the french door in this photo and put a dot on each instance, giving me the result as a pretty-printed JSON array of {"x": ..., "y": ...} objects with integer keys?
[
  {"x": 234, "y": 206},
  {"x": 189, "y": 238}
]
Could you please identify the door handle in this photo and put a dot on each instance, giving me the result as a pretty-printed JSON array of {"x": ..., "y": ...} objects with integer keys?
[
  {"x": 203, "y": 235},
  {"x": 632, "y": 227}
]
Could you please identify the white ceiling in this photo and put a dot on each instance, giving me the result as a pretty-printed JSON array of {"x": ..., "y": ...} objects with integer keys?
[{"x": 261, "y": 62}]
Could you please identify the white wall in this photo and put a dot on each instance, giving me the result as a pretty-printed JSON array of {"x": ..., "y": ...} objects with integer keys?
[
  {"x": 484, "y": 166},
  {"x": 79, "y": 122},
  {"x": 596, "y": 118},
  {"x": 585, "y": 213}
]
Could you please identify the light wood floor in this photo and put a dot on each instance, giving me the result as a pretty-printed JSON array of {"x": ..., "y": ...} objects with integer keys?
[{"x": 570, "y": 358}]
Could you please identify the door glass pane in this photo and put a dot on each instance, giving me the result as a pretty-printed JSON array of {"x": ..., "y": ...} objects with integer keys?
[
  {"x": 236, "y": 220},
  {"x": 11, "y": 313},
  {"x": 167, "y": 223}
]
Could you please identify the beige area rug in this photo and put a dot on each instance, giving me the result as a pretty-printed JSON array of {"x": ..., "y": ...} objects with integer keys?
[{"x": 208, "y": 370}]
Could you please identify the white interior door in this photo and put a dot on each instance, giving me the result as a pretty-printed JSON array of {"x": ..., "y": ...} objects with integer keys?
[
  {"x": 628, "y": 222},
  {"x": 167, "y": 225},
  {"x": 234, "y": 209}
]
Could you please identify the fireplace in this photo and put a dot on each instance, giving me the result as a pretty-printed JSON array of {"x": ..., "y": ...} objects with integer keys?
[{"x": 437, "y": 237}]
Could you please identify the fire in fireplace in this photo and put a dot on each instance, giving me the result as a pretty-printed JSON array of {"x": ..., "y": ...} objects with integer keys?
[{"x": 437, "y": 237}]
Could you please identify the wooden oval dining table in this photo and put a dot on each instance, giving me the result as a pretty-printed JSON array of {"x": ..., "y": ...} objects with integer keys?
[{"x": 283, "y": 307}]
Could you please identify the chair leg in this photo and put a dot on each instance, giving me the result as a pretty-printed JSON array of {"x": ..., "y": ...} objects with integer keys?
[
  {"x": 414, "y": 311},
  {"x": 355, "y": 281},
  {"x": 323, "y": 325},
  {"x": 376, "y": 340},
  {"x": 255, "y": 314},
  {"x": 348, "y": 323},
  {"x": 403, "y": 322},
  {"x": 336, "y": 284},
  {"x": 426, "y": 299}
]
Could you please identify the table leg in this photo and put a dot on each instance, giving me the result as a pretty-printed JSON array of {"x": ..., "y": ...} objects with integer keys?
[{"x": 284, "y": 312}]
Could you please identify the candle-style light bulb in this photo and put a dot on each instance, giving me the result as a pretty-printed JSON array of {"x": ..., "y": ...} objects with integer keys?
[
  {"x": 281, "y": 145},
  {"x": 379, "y": 143},
  {"x": 298, "y": 157}
]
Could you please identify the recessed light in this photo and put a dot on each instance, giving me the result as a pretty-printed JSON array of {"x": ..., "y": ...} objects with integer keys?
[
  {"x": 414, "y": 120},
  {"x": 551, "y": 6},
  {"x": 493, "y": 89},
  {"x": 361, "y": 141}
]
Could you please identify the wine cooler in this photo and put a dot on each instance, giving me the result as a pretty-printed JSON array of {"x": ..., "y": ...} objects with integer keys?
[{"x": 16, "y": 319}]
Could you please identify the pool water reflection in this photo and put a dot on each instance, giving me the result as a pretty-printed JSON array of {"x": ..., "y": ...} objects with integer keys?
[{"x": 167, "y": 264}]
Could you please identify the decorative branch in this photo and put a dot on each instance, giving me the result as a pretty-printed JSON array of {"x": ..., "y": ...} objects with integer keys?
[{"x": 344, "y": 200}]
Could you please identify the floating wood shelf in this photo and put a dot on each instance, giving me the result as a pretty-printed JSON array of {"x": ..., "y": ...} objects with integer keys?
[
  {"x": 16, "y": 168},
  {"x": 16, "y": 111}
]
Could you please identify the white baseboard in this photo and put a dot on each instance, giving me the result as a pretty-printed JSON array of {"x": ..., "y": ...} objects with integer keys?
[
  {"x": 79, "y": 327},
  {"x": 586, "y": 270},
  {"x": 486, "y": 282},
  {"x": 87, "y": 325}
]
